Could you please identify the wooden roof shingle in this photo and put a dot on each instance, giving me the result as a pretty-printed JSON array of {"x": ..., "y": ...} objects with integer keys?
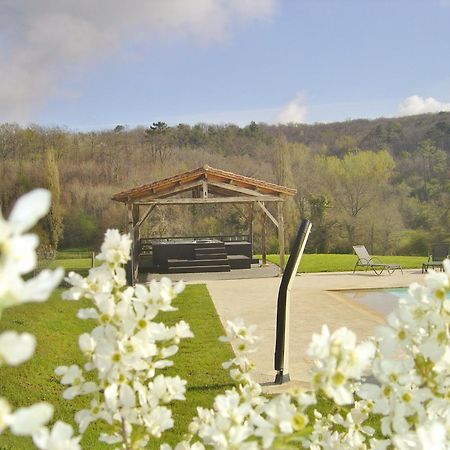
[{"x": 220, "y": 183}]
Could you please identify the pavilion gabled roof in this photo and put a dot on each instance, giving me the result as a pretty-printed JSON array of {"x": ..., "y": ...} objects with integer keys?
[{"x": 219, "y": 182}]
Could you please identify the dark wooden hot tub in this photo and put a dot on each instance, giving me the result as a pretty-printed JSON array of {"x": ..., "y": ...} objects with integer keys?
[{"x": 200, "y": 255}]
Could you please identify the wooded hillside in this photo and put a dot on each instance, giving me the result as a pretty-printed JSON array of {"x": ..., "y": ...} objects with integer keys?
[{"x": 384, "y": 183}]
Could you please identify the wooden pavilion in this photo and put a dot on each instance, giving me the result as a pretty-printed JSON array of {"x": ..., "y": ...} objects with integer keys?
[{"x": 205, "y": 185}]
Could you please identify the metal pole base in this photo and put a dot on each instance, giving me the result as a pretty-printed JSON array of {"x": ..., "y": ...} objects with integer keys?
[{"x": 281, "y": 377}]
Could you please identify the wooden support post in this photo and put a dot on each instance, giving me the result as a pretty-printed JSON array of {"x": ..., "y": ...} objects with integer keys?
[
  {"x": 250, "y": 223},
  {"x": 263, "y": 239},
  {"x": 133, "y": 220},
  {"x": 130, "y": 268},
  {"x": 136, "y": 239},
  {"x": 281, "y": 234}
]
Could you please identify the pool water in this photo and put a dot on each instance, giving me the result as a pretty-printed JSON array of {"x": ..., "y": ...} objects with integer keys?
[{"x": 383, "y": 301}]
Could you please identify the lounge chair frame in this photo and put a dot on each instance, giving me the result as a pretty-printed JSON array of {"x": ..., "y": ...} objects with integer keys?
[
  {"x": 374, "y": 263},
  {"x": 439, "y": 252}
]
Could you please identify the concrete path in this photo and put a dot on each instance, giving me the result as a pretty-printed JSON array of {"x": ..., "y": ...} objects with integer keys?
[{"x": 315, "y": 300}]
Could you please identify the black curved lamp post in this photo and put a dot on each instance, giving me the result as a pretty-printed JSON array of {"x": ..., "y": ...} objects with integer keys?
[{"x": 281, "y": 360}]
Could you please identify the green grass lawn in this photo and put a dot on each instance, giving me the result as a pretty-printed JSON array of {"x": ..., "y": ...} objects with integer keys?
[
  {"x": 74, "y": 253},
  {"x": 71, "y": 264},
  {"x": 344, "y": 263},
  {"x": 56, "y": 328},
  {"x": 77, "y": 260},
  {"x": 80, "y": 262}
]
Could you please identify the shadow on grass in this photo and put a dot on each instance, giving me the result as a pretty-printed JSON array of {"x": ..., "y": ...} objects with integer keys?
[{"x": 210, "y": 387}]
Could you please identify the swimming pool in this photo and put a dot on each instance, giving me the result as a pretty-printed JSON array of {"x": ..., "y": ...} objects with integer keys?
[{"x": 383, "y": 301}]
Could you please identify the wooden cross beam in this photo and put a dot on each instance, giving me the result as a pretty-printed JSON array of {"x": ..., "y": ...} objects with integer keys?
[
  {"x": 146, "y": 214},
  {"x": 268, "y": 214},
  {"x": 210, "y": 200}
]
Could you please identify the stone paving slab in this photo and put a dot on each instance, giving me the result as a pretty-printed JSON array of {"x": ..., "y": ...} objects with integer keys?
[
  {"x": 255, "y": 271},
  {"x": 315, "y": 300}
]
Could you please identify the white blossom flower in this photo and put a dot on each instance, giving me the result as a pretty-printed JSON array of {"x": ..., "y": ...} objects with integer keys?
[
  {"x": 16, "y": 348},
  {"x": 303, "y": 397},
  {"x": 26, "y": 421},
  {"x": 136, "y": 351},
  {"x": 59, "y": 438},
  {"x": 277, "y": 417},
  {"x": 433, "y": 436},
  {"x": 393, "y": 334},
  {"x": 158, "y": 420},
  {"x": 97, "y": 411},
  {"x": 230, "y": 406},
  {"x": 18, "y": 252},
  {"x": 319, "y": 346},
  {"x": 164, "y": 389},
  {"x": 237, "y": 330},
  {"x": 86, "y": 343},
  {"x": 39, "y": 288},
  {"x": 87, "y": 313},
  {"x": 338, "y": 360},
  {"x": 430, "y": 436},
  {"x": 100, "y": 281},
  {"x": 435, "y": 281},
  {"x": 73, "y": 376},
  {"x": 182, "y": 330},
  {"x": 119, "y": 396},
  {"x": 356, "y": 432},
  {"x": 28, "y": 209},
  {"x": 115, "y": 248},
  {"x": 78, "y": 289},
  {"x": 5, "y": 414},
  {"x": 110, "y": 438},
  {"x": 125, "y": 350}
]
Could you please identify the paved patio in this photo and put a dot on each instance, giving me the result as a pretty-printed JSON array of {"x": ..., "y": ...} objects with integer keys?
[{"x": 315, "y": 300}]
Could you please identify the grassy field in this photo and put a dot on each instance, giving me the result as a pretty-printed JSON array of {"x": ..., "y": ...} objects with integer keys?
[
  {"x": 80, "y": 261},
  {"x": 344, "y": 263},
  {"x": 74, "y": 253},
  {"x": 56, "y": 328}
]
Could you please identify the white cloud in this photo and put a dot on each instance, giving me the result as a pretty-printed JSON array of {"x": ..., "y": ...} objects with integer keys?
[
  {"x": 294, "y": 112},
  {"x": 42, "y": 42},
  {"x": 420, "y": 105}
]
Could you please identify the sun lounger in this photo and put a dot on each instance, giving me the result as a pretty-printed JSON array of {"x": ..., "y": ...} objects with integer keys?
[
  {"x": 439, "y": 252},
  {"x": 369, "y": 262}
]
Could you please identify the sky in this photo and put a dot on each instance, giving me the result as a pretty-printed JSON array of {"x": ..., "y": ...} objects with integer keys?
[{"x": 94, "y": 64}]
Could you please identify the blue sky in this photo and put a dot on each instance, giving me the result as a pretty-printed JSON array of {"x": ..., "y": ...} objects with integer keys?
[{"x": 222, "y": 61}]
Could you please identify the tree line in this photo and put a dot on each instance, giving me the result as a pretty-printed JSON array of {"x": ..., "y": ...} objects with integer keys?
[{"x": 384, "y": 183}]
